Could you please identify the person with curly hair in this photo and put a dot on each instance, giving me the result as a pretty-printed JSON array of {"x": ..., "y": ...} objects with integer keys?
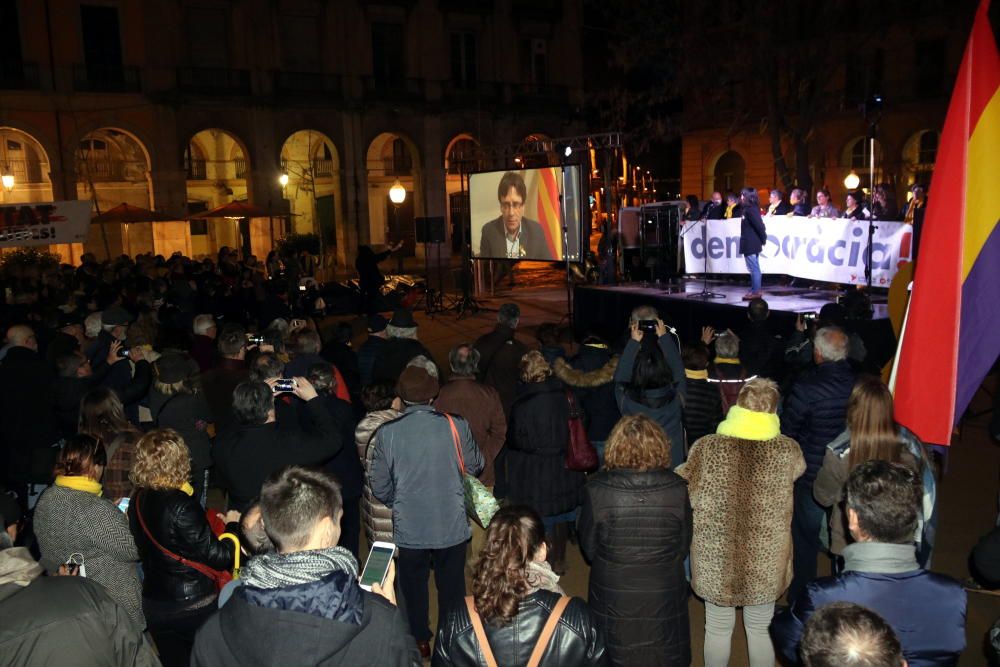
[
  {"x": 514, "y": 594},
  {"x": 168, "y": 524},
  {"x": 635, "y": 529}
]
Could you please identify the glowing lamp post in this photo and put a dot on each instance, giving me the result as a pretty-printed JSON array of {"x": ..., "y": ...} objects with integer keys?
[
  {"x": 397, "y": 195},
  {"x": 852, "y": 181}
]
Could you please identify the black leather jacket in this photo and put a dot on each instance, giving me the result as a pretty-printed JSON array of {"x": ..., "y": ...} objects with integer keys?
[
  {"x": 576, "y": 641},
  {"x": 178, "y": 523}
]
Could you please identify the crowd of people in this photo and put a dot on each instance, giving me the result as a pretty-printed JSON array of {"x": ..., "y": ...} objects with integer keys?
[{"x": 169, "y": 422}]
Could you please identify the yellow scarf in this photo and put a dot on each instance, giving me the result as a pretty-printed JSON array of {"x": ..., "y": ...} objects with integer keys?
[
  {"x": 726, "y": 360},
  {"x": 771, "y": 209},
  {"x": 729, "y": 211},
  {"x": 911, "y": 209},
  {"x": 78, "y": 483},
  {"x": 695, "y": 375},
  {"x": 187, "y": 488},
  {"x": 749, "y": 425}
]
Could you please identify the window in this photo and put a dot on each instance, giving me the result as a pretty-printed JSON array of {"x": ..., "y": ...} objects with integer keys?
[
  {"x": 463, "y": 60},
  {"x": 300, "y": 42},
  {"x": 928, "y": 147},
  {"x": 388, "y": 66},
  {"x": 102, "y": 46},
  {"x": 11, "y": 65},
  {"x": 930, "y": 68},
  {"x": 466, "y": 148},
  {"x": 534, "y": 61},
  {"x": 207, "y": 36},
  {"x": 860, "y": 154}
]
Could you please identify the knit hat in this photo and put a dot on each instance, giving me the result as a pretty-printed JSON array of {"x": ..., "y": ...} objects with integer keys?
[
  {"x": 115, "y": 315},
  {"x": 403, "y": 319},
  {"x": 416, "y": 385},
  {"x": 174, "y": 367}
]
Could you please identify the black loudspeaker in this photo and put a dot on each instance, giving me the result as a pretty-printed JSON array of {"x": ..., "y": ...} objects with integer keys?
[{"x": 429, "y": 230}]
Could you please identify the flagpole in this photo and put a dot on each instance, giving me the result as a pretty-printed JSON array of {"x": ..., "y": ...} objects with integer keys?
[{"x": 899, "y": 346}]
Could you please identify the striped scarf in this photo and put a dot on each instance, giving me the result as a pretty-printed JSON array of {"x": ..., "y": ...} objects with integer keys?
[{"x": 276, "y": 570}]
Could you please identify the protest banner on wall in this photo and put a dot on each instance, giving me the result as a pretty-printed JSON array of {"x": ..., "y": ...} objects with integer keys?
[
  {"x": 45, "y": 223},
  {"x": 814, "y": 248}
]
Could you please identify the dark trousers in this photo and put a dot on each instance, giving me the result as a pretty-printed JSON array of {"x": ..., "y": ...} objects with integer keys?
[
  {"x": 173, "y": 627},
  {"x": 414, "y": 573},
  {"x": 350, "y": 526},
  {"x": 806, "y": 521}
]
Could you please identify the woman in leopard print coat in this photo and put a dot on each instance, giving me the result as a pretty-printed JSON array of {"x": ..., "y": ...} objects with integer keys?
[{"x": 740, "y": 482}]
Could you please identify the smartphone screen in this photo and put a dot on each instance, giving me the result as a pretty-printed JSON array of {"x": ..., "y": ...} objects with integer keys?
[{"x": 377, "y": 565}]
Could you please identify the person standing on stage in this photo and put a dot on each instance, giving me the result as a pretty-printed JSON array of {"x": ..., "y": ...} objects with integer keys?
[
  {"x": 753, "y": 236},
  {"x": 715, "y": 208}
]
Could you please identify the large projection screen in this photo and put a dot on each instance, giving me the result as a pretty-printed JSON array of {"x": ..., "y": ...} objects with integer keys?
[{"x": 518, "y": 214}]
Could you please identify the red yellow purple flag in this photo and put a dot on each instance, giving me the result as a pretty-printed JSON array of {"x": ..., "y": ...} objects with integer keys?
[
  {"x": 548, "y": 210},
  {"x": 951, "y": 337}
]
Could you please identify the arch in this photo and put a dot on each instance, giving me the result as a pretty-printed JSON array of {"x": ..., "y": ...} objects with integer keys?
[
  {"x": 312, "y": 162},
  {"x": 729, "y": 172},
  {"x": 391, "y": 157},
  {"x": 109, "y": 155},
  {"x": 919, "y": 155},
  {"x": 855, "y": 154},
  {"x": 218, "y": 172},
  {"x": 24, "y": 157},
  {"x": 460, "y": 143}
]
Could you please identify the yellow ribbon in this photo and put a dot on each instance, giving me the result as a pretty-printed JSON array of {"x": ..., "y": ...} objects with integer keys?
[{"x": 78, "y": 483}]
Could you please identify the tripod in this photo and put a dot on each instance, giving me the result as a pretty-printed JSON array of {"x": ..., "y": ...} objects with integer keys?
[{"x": 705, "y": 293}]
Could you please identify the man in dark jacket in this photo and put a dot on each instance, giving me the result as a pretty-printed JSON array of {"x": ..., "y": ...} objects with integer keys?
[
  {"x": 28, "y": 429},
  {"x": 246, "y": 455},
  {"x": 800, "y": 202},
  {"x": 776, "y": 204},
  {"x": 63, "y": 620},
  {"x": 815, "y": 412},
  {"x": 231, "y": 369},
  {"x": 761, "y": 350},
  {"x": 372, "y": 348},
  {"x": 401, "y": 347},
  {"x": 715, "y": 208},
  {"x": 345, "y": 466},
  {"x": 303, "y": 605},
  {"x": 926, "y": 610},
  {"x": 500, "y": 355},
  {"x": 415, "y": 471}
]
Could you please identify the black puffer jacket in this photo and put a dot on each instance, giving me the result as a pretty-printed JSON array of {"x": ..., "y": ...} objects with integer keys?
[
  {"x": 815, "y": 412},
  {"x": 178, "y": 523},
  {"x": 577, "y": 641},
  {"x": 635, "y": 527},
  {"x": 702, "y": 409},
  {"x": 532, "y": 466}
]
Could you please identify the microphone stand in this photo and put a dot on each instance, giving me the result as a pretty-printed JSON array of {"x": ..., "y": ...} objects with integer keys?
[
  {"x": 705, "y": 293},
  {"x": 872, "y": 131}
]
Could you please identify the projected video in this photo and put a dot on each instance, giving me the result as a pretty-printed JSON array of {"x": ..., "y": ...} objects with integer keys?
[{"x": 518, "y": 214}]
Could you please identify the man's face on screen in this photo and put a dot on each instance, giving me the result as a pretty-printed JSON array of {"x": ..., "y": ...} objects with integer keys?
[{"x": 512, "y": 210}]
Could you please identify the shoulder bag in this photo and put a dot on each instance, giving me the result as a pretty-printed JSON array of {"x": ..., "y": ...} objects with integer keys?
[
  {"x": 543, "y": 639},
  {"x": 220, "y": 577},
  {"x": 480, "y": 504},
  {"x": 580, "y": 453}
]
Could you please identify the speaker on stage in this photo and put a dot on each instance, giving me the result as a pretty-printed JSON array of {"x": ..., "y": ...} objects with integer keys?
[{"x": 429, "y": 229}]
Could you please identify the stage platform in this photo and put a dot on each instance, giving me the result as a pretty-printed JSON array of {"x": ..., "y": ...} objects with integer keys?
[{"x": 605, "y": 309}]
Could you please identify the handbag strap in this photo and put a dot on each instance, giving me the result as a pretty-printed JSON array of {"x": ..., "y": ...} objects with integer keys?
[
  {"x": 477, "y": 626},
  {"x": 455, "y": 439},
  {"x": 550, "y": 627},
  {"x": 204, "y": 569}
]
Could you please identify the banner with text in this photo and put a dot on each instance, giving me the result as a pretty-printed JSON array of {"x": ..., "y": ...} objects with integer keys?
[
  {"x": 45, "y": 223},
  {"x": 814, "y": 248}
]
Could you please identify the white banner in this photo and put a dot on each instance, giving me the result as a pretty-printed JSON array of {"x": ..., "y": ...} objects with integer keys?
[
  {"x": 44, "y": 223},
  {"x": 814, "y": 248}
]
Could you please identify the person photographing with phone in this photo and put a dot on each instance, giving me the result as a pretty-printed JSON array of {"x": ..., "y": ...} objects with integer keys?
[
  {"x": 650, "y": 378},
  {"x": 303, "y": 604}
]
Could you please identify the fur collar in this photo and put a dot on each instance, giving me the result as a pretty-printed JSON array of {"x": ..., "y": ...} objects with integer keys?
[
  {"x": 749, "y": 425},
  {"x": 576, "y": 378}
]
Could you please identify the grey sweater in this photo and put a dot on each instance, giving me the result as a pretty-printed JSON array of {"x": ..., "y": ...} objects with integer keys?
[{"x": 69, "y": 521}]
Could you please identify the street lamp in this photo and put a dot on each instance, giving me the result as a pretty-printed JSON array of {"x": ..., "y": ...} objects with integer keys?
[
  {"x": 283, "y": 180},
  {"x": 8, "y": 181},
  {"x": 397, "y": 195},
  {"x": 852, "y": 181}
]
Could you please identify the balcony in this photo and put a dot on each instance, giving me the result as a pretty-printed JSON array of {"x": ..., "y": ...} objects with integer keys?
[
  {"x": 322, "y": 168},
  {"x": 393, "y": 90},
  {"x": 18, "y": 76},
  {"x": 472, "y": 92},
  {"x": 25, "y": 171},
  {"x": 397, "y": 165},
  {"x": 308, "y": 84},
  {"x": 540, "y": 10},
  {"x": 196, "y": 170},
  {"x": 213, "y": 80},
  {"x": 102, "y": 78},
  {"x": 109, "y": 170}
]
